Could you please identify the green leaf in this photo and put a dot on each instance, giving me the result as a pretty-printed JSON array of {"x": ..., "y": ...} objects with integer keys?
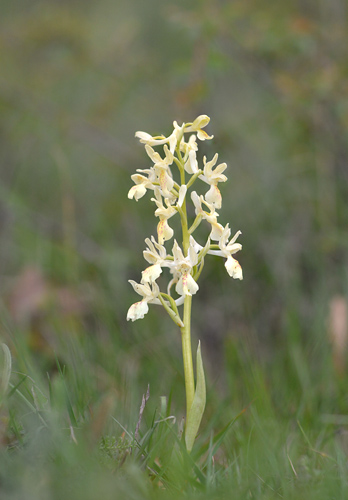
[
  {"x": 195, "y": 414},
  {"x": 6, "y": 367}
]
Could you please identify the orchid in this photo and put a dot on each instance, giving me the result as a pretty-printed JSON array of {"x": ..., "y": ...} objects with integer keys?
[
  {"x": 139, "y": 309},
  {"x": 155, "y": 254},
  {"x": 197, "y": 125},
  {"x": 212, "y": 177},
  {"x": 211, "y": 217},
  {"x": 182, "y": 268},
  {"x": 164, "y": 231},
  {"x": 172, "y": 191},
  {"x": 189, "y": 149},
  {"x": 142, "y": 183},
  {"x": 227, "y": 249},
  {"x": 148, "y": 139},
  {"x": 161, "y": 168}
]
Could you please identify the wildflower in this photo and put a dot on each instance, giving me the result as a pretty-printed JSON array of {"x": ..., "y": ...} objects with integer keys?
[
  {"x": 146, "y": 138},
  {"x": 185, "y": 264},
  {"x": 164, "y": 231},
  {"x": 212, "y": 177},
  {"x": 161, "y": 167},
  {"x": 149, "y": 294},
  {"x": 142, "y": 183},
  {"x": 227, "y": 249},
  {"x": 189, "y": 149},
  {"x": 159, "y": 140},
  {"x": 181, "y": 269},
  {"x": 197, "y": 125},
  {"x": 155, "y": 254},
  {"x": 211, "y": 217}
]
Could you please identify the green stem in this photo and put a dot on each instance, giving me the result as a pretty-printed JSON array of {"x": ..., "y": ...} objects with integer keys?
[
  {"x": 187, "y": 354},
  {"x": 186, "y": 329}
]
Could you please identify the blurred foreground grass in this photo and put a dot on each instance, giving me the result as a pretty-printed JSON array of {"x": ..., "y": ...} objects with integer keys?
[
  {"x": 77, "y": 80},
  {"x": 71, "y": 431}
]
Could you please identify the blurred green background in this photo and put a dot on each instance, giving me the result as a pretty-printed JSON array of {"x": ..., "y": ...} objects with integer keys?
[{"x": 78, "y": 78}]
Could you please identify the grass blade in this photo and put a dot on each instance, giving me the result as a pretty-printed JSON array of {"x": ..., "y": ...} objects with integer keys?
[{"x": 6, "y": 369}]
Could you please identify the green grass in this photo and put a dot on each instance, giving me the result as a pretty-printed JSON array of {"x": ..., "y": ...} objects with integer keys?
[{"x": 70, "y": 431}]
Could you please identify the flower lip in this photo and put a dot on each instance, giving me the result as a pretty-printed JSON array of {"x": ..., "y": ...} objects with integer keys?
[{"x": 137, "y": 310}]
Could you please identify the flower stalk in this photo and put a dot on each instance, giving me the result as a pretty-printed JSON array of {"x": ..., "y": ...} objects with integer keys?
[
  {"x": 187, "y": 354},
  {"x": 184, "y": 264}
]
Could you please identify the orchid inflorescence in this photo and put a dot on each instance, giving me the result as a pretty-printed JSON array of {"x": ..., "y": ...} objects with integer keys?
[
  {"x": 185, "y": 263},
  {"x": 170, "y": 199}
]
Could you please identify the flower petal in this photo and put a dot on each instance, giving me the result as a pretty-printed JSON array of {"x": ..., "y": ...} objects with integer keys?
[
  {"x": 137, "y": 310},
  {"x": 186, "y": 285},
  {"x": 213, "y": 196},
  {"x": 164, "y": 231},
  {"x": 137, "y": 192},
  {"x": 182, "y": 194},
  {"x": 234, "y": 268},
  {"x": 151, "y": 273}
]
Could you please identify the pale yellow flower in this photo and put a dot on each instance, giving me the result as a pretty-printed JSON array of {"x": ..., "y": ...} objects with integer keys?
[
  {"x": 156, "y": 255},
  {"x": 181, "y": 269},
  {"x": 227, "y": 249},
  {"x": 146, "y": 138},
  {"x": 162, "y": 169},
  {"x": 190, "y": 149},
  {"x": 164, "y": 231},
  {"x": 197, "y": 125},
  {"x": 159, "y": 140},
  {"x": 212, "y": 177},
  {"x": 142, "y": 183},
  {"x": 149, "y": 294},
  {"x": 211, "y": 217}
]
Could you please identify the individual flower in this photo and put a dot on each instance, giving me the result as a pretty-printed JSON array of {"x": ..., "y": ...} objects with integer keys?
[
  {"x": 227, "y": 249},
  {"x": 162, "y": 169},
  {"x": 146, "y": 138},
  {"x": 142, "y": 183},
  {"x": 181, "y": 269},
  {"x": 211, "y": 217},
  {"x": 197, "y": 125},
  {"x": 164, "y": 231},
  {"x": 149, "y": 294},
  {"x": 156, "y": 255},
  {"x": 159, "y": 140},
  {"x": 190, "y": 149},
  {"x": 212, "y": 177}
]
